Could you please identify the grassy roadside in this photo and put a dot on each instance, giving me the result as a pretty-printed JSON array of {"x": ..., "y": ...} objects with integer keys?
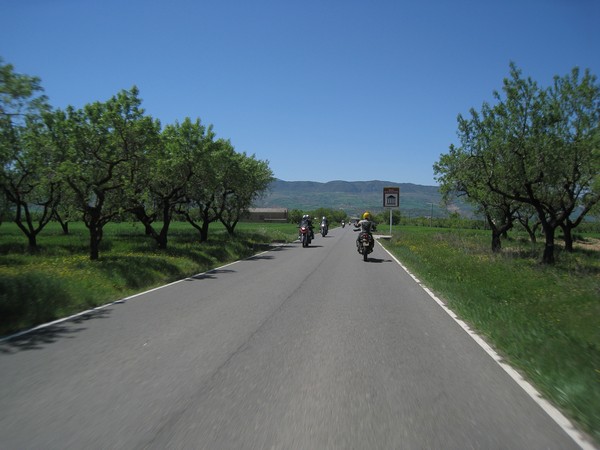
[
  {"x": 544, "y": 320},
  {"x": 60, "y": 280}
]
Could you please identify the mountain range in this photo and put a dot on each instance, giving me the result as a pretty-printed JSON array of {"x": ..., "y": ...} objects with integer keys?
[{"x": 354, "y": 197}]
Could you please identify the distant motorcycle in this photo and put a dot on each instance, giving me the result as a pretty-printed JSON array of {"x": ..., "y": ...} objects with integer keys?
[
  {"x": 343, "y": 224},
  {"x": 305, "y": 235},
  {"x": 324, "y": 229}
]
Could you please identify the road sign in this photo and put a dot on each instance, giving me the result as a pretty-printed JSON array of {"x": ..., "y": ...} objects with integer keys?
[{"x": 391, "y": 197}]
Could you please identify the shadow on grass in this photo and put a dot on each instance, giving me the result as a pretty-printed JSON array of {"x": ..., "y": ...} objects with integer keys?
[
  {"x": 13, "y": 247},
  {"x": 139, "y": 271}
]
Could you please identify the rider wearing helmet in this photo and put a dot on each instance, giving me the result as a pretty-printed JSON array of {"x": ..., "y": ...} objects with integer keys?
[
  {"x": 325, "y": 223},
  {"x": 306, "y": 220},
  {"x": 365, "y": 224}
]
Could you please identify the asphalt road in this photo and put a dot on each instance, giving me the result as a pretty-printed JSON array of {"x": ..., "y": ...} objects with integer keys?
[{"x": 296, "y": 348}]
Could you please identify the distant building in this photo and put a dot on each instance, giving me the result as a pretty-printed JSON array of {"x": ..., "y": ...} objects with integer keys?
[{"x": 266, "y": 215}]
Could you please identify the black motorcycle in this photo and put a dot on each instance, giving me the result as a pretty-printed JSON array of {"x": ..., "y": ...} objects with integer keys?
[
  {"x": 365, "y": 244},
  {"x": 365, "y": 241}
]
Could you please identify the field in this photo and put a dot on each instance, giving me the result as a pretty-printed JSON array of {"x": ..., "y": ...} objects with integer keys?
[{"x": 545, "y": 320}]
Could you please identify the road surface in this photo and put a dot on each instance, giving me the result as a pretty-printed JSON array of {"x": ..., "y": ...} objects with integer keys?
[{"x": 296, "y": 348}]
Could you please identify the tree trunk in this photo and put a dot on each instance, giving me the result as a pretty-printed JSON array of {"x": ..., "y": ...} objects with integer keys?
[
  {"x": 64, "y": 224},
  {"x": 32, "y": 238},
  {"x": 27, "y": 226},
  {"x": 497, "y": 233},
  {"x": 95, "y": 225},
  {"x": 548, "y": 257},
  {"x": 204, "y": 231},
  {"x": 162, "y": 236},
  {"x": 496, "y": 242},
  {"x": 531, "y": 234},
  {"x": 95, "y": 238},
  {"x": 231, "y": 228},
  {"x": 65, "y": 227},
  {"x": 568, "y": 236}
]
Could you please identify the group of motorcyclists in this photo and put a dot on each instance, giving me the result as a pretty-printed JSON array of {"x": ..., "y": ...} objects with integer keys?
[{"x": 365, "y": 225}]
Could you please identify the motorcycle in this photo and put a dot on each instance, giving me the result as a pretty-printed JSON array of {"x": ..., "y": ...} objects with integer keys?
[
  {"x": 343, "y": 224},
  {"x": 365, "y": 244},
  {"x": 323, "y": 229},
  {"x": 305, "y": 235}
]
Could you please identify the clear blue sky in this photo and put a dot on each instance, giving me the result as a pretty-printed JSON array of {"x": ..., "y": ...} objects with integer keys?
[{"x": 322, "y": 89}]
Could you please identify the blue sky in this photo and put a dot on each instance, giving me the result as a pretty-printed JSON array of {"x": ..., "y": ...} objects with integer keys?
[{"x": 322, "y": 89}]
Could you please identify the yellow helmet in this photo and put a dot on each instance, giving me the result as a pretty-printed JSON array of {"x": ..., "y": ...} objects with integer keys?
[{"x": 366, "y": 215}]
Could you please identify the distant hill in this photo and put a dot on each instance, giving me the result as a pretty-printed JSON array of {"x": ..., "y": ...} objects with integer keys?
[{"x": 353, "y": 196}]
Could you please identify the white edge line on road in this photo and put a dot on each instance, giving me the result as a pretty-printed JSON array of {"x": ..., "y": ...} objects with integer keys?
[
  {"x": 123, "y": 300},
  {"x": 551, "y": 410}
]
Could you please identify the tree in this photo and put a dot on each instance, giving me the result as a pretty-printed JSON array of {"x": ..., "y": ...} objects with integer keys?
[
  {"x": 163, "y": 184},
  {"x": 198, "y": 209},
  {"x": 459, "y": 174},
  {"x": 245, "y": 180},
  {"x": 536, "y": 147},
  {"x": 295, "y": 216},
  {"x": 575, "y": 107},
  {"x": 105, "y": 146},
  {"x": 26, "y": 175}
]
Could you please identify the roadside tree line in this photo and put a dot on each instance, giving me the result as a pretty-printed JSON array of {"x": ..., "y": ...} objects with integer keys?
[
  {"x": 532, "y": 158},
  {"x": 110, "y": 159}
]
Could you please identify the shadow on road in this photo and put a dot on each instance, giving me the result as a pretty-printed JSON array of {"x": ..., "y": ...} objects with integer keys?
[
  {"x": 209, "y": 275},
  {"x": 37, "y": 339},
  {"x": 257, "y": 257},
  {"x": 377, "y": 260}
]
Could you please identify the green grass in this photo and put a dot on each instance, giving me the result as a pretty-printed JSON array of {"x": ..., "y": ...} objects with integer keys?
[
  {"x": 544, "y": 319},
  {"x": 60, "y": 279}
]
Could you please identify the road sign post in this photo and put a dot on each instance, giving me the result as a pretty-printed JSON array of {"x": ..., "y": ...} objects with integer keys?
[{"x": 391, "y": 199}]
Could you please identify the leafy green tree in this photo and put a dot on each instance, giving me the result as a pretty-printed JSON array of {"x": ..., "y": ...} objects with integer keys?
[
  {"x": 106, "y": 144},
  {"x": 246, "y": 179},
  {"x": 26, "y": 173},
  {"x": 575, "y": 107},
  {"x": 200, "y": 206},
  {"x": 534, "y": 147},
  {"x": 384, "y": 217},
  {"x": 163, "y": 182},
  {"x": 554, "y": 133},
  {"x": 295, "y": 216},
  {"x": 459, "y": 175}
]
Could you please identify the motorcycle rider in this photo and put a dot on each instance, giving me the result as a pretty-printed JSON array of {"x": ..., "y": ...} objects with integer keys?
[
  {"x": 325, "y": 223},
  {"x": 367, "y": 225},
  {"x": 307, "y": 222}
]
